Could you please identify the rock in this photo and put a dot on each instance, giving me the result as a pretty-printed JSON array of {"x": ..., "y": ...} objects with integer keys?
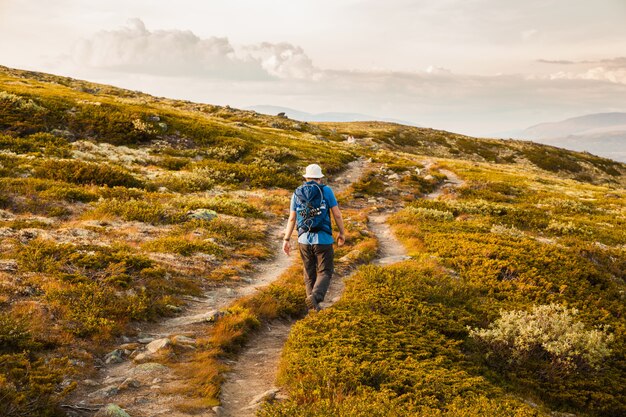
[
  {"x": 202, "y": 214},
  {"x": 110, "y": 380},
  {"x": 140, "y": 357},
  {"x": 218, "y": 410},
  {"x": 105, "y": 392},
  {"x": 145, "y": 340},
  {"x": 111, "y": 410},
  {"x": 129, "y": 346},
  {"x": 268, "y": 395},
  {"x": 159, "y": 344},
  {"x": 154, "y": 118},
  {"x": 184, "y": 340},
  {"x": 282, "y": 114},
  {"x": 163, "y": 126},
  {"x": 393, "y": 176},
  {"x": 428, "y": 177},
  {"x": 149, "y": 368},
  {"x": 322, "y": 139},
  {"x": 418, "y": 171},
  {"x": 173, "y": 308},
  {"x": 129, "y": 383},
  {"x": 116, "y": 356},
  {"x": 353, "y": 254},
  {"x": 207, "y": 317},
  {"x": 91, "y": 383}
]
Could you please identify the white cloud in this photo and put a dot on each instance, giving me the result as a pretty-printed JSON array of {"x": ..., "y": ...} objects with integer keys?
[
  {"x": 283, "y": 60},
  {"x": 162, "y": 61},
  {"x": 612, "y": 70}
]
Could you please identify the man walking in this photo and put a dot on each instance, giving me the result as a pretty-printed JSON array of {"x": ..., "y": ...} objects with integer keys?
[{"x": 311, "y": 205}]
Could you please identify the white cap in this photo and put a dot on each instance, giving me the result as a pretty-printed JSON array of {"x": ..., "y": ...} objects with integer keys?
[{"x": 313, "y": 171}]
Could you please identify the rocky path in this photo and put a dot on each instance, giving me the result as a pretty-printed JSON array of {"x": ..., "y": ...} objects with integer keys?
[
  {"x": 252, "y": 378},
  {"x": 150, "y": 389}
]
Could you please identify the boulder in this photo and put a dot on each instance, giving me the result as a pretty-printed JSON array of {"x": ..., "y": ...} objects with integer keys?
[
  {"x": 116, "y": 356},
  {"x": 158, "y": 344},
  {"x": 202, "y": 214},
  {"x": 268, "y": 395},
  {"x": 111, "y": 410},
  {"x": 129, "y": 383}
]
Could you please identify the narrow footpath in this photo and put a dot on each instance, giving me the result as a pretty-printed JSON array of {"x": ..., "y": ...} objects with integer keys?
[{"x": 253, "y": 376}]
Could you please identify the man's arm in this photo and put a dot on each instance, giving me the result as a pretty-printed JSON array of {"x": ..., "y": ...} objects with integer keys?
[
  {"x": 341, "y": 239},
  {"x": 291, "y": 223}
]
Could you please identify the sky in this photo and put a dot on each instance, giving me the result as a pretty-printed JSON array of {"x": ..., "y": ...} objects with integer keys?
[{"x": 479, "y": 67}]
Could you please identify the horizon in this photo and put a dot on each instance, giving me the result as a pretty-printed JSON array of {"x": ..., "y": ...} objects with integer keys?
[{"x": 475, "y": 68}]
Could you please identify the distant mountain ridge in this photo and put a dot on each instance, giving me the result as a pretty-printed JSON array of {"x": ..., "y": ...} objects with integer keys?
[
  {"x": 601, "y": 134},
  {"x": 324, "y": 117},
  {"x": 578, "y": 125}
]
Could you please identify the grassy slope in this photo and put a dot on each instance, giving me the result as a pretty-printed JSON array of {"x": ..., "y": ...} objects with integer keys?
[
  {"x": 96, "y": 184},
  {"x": 398, "y": 342}
]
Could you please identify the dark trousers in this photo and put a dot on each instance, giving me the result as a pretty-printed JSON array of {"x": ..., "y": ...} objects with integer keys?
[{"x": 318, "y": 268}]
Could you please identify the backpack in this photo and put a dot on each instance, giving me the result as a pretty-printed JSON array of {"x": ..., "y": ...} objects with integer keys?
[{"x": 312, "y": 214}]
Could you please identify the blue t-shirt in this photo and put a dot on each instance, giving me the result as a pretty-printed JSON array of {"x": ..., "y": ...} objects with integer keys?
[{"x": 321, "y": 237}]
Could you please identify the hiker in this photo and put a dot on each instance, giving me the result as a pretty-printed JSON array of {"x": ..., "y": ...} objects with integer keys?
[{"x": 311, "y": 205}]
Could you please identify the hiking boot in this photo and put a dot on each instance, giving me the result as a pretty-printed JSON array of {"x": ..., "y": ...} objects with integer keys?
[{"x": 311, "y": 303}]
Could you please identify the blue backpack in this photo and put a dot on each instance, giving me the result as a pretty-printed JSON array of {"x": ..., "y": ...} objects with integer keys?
[{"x": 312, "y": 213}]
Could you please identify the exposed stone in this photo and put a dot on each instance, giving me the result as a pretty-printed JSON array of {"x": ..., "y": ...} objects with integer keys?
[
  {"x": 129, "y": 383},
  {"x": 145, "y": 339},
  {"x": 173, "y": 308},
  {"x": 116, "y": 356},
  {"x": 105, "y": 392},
  {"x": 158, "y": 344},
  {"x": 140, "y": 357},
  {"x": 180, "y": 339},
  {"x": 110, "y": 380},
  {"x": 393, "y": 176},
  {"x": 150, "y": 367},
  {"x": 111, "y": 410},
  {"x": 202, "y": 214},
  {"x": 91, "y": 383},
  {"x": 129, "y": 346},
  {"x": 268, "y": 395}
]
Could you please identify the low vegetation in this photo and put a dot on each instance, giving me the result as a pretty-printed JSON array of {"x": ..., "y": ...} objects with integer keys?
[
  {"x": 116, "y": 205},
  {"x": 512, "y": 305}
]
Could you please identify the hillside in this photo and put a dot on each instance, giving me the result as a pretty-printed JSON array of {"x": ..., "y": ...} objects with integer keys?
[{"x": 128, "y": 219}]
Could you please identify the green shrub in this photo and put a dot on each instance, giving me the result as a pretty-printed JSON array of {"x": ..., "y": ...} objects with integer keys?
[
  {"x": 31, "y": 386},
  {"x": 79, "y": 172},
  {"x": 182, "y": 245},
  {"x": 548, "y": 333},
  {"x": 140, "y": 210},
  {"x": 39, "y": 143}
]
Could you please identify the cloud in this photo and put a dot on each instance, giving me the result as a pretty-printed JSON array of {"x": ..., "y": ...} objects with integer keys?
[
  {"x": 161, "y": 62},
  {"x": 612, "y": 70},
  {"x": 135, "y": 49},
  {"x": 283, "y": 60}
]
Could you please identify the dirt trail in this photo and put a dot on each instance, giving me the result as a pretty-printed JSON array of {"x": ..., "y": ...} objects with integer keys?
[
  {"x": 453, "y": 181},
  {"x": 153, "y": 392},
  {"x": 253, "y": 375}
]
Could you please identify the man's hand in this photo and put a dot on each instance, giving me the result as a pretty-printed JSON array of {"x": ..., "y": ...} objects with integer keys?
[
  {"x": 341, "y": 239},
  {"x": 286, "y": 247}
]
